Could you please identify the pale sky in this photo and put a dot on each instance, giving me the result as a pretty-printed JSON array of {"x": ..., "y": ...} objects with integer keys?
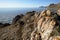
[{"x": 25, "y": 3}]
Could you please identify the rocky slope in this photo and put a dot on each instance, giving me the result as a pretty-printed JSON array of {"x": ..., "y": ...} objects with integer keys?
[{"x": 33, "y": 25}]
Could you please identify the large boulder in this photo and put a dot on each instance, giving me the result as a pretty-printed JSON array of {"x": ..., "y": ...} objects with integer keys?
[{"x": 17, "y": 18}]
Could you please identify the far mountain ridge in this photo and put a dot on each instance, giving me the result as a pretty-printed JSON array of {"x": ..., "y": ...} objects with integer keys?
[{"x": 43, "y": 7}]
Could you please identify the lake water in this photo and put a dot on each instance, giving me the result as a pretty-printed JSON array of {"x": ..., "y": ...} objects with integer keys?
[{"x": 7, "y": 14}]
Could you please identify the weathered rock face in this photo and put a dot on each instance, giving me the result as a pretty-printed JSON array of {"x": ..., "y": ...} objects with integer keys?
[
  {"x": 45, "y": 26},
  {"x": 33, "y": 26}
]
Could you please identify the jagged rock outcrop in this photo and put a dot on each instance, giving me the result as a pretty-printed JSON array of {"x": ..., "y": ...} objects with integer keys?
[
  {"x": 17, "y": 18},
  {"x": 45, "y": 26}
]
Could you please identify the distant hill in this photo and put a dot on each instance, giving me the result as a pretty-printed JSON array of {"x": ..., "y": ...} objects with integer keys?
[
  {"x": 42, "y": 8},
  {"x": 54, "y": 6}
]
